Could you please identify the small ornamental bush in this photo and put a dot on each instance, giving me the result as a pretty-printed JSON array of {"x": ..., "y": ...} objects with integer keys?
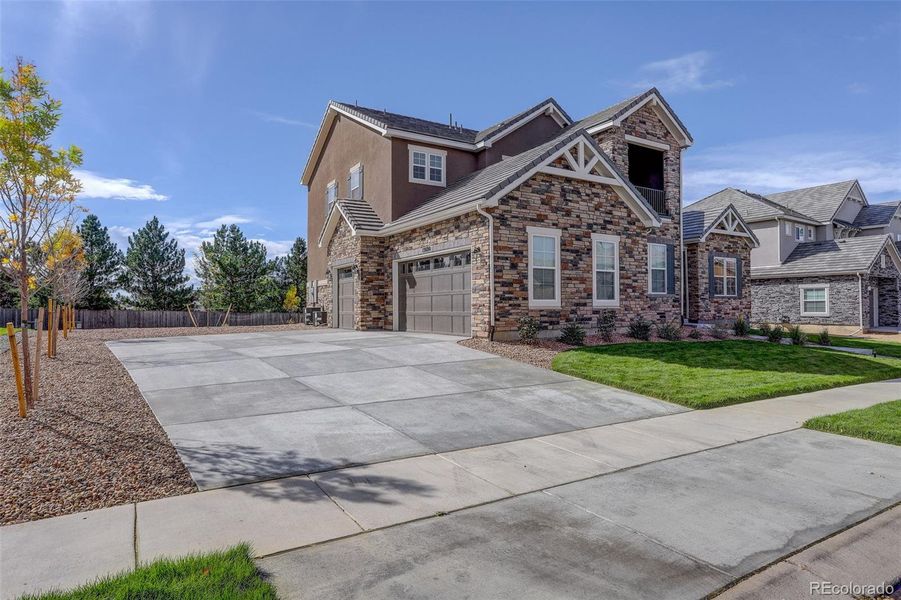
[
  {"x": 669, "y": 330},
  {"x": 719, "y": 331},
  {"x": 765, "y": 329},
  {"x": 572, "y": 334},
  {"x": 640, "y": 329},
  {"x": 795, "y": 335},
  {"x": 741, "y": 327},
  {"x": 607, "y": 325},
  {"x": 824, "y": 339},
  {"x": 695, "y": 333},
  {"x": 775, "y": 334},
  {"x": 528, "y": 329}
]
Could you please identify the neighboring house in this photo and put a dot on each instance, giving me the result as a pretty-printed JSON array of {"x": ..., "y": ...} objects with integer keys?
[
  {"x": 826, "y": 257},
  {"x": 421, "y": 226},
  {"x": 718, "y": 245}
]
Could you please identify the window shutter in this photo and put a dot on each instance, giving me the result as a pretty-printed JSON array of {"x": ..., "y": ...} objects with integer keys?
[
  {"x": 738, "y": 276},
  {"x": 348, "y": 186},
  {"x": 361, "y": 182},
  {"x": 670, "y": 269},
  {"x": 710, "y": 280}
]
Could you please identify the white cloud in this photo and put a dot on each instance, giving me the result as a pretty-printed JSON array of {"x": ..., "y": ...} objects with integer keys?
[
  {"x": 857, "y": 87},
  {"x": 281, "y": 120},
  {"x": 795, "y": 161},
  {"x": 223, "y": 220},
  {"x": 97, "y": 186},
  {"x": 686, "y": 73},
  {"x": 276, "y": 247}
]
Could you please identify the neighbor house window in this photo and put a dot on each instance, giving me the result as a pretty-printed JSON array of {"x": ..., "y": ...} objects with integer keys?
[
  {"x": 355, "y": 182},
  {"x": 810, "y": 234},
  {"x": 331, "y": 194},
  {"x": 725, "y": 276},
  {"x": 427, "y": 165},
  {"x": 799, "y": 233},
  {"x": 814, "y": 300},
  {"x": 544, "y": 267},
  {"x": 657, "y": 268},
  {"x": 606, "y": 269}
]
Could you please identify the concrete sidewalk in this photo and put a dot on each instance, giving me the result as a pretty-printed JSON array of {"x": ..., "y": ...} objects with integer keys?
[{"x": 295, "y": 512}]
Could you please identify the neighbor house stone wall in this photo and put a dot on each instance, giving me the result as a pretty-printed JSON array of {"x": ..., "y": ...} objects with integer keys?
[
  {"x": 887, "y": 281},
  {"x": 702, "y": 307},
  {"x": 779, "y": 301},
  {"x": 578, "y": 209}
]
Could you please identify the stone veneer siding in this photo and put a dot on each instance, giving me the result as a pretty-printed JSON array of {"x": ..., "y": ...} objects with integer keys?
[
  {"x": 702, "y": 307},
  {"x": 578, "y": 209},
  {"x": 779, "y": 300}
]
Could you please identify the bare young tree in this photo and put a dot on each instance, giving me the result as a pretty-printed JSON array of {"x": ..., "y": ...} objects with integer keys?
[{"x": 37, "y": 186}]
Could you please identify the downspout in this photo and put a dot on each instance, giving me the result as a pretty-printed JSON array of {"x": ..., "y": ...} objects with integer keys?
[
  {"x": 860, "y": 297},
  {"x": 490, "y": 268},
  {"x": 683, "y": 269}
]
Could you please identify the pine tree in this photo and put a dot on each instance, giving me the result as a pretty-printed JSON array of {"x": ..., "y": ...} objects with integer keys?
[
  {"x": 296, "y": 268},
  {"x": 234, "y": 271},
  {"x": 155, "y": 270},
  {"x": 103, "y": 264}
]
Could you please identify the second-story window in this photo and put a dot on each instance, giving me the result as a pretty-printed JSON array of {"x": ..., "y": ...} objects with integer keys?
[
  {"x": 331, "y": 194},
  {"x": 799, "y": 233},
  {"x": 427, "y": 165},
  {"x": 355, "y": 181}
]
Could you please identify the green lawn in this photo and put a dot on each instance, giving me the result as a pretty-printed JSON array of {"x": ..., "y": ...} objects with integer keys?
[
  {"x": 880, "y": 423},
  {"x": 709, "y": 374},
  {"x": 229, "y": 575}
]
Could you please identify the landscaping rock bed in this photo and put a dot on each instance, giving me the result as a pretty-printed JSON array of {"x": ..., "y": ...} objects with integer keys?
[{"x": 92, "y": 441}]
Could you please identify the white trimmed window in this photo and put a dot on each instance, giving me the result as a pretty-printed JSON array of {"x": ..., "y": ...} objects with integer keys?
[
  {"x": 427, "y": 165},
  {"x": 725, "y": 276},
  {"x": 811, "y": 236},
  {"x": 799, "y": 233},
  {"x": 814, "y": 300},
  {"x": 657, "y": 268},
  {"x": 544, "y": 267},
  {"x": 605, "y": 249},
  {"x": 355, "y": 182},
  {"x": 331, "y": 194}
]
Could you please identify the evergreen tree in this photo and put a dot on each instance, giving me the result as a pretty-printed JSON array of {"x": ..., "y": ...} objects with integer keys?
[
  {"x": 296, "y": 268},
  {"x": 155, "y": 270},
  {"x": 103, "y": 264},
  {"x": 234, "y": 271}
]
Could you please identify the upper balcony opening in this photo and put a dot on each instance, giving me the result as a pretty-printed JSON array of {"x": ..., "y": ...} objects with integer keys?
[{"x": 646, "y": 174}]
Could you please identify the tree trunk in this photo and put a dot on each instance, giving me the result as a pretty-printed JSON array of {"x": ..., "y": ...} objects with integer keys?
[{"x": 26, "y": 350}]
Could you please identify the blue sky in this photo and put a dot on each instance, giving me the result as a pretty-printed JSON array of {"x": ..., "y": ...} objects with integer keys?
[{"x": 203, "y": 113}]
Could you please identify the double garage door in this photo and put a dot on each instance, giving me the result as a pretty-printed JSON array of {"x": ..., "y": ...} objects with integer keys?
[{"x": 435, "y": 294}]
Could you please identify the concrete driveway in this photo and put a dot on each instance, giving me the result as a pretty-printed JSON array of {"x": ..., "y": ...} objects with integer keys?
[{"x": 248, "y": 407}]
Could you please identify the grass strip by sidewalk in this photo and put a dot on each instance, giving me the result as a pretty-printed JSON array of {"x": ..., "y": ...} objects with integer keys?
[
  {"x": 879, "y": 423},
  {"x": 880, "y": 347},
  {"x": 227, "y": 575},
  {"x": 710, "y": 374}
]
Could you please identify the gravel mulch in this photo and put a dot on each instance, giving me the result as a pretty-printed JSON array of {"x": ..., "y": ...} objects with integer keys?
[
  {"x": 92, "y": 441},
  {"x": 542, "y": 352}
]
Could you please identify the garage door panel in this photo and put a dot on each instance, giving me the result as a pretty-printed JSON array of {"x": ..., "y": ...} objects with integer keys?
[{"x": 436, "y": 295}]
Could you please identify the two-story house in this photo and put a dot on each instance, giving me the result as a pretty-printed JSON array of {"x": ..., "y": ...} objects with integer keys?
[
  {"x": 422, "y": 226},
  {"x": 826, "y": 256}
]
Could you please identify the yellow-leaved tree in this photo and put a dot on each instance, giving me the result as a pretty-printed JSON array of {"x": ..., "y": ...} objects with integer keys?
[
  {"x": 37, "y": 186},
  {"x": 292, "y": 302}
]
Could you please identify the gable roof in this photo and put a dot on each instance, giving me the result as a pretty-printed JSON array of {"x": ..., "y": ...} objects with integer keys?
[
  {"x": 752, "y": 207},
  {"x": 613, "y": 115},
  {"x": 819, "y": 202},
  {"x": 876, "y": 215},
  {"x": 831, "y": 257},
  {"x": 389, "y": 120},
  {"x": 701, "y": 218},
  {"x": 357, "y": 212},
  {"x": 487, "y": 185},
  {"x": 499, "y": 130}
]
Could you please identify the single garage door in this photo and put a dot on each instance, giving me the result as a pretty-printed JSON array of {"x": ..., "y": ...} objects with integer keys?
[
  {"x": 435, "y": 294},
  {"x": 345, "y": 299}
]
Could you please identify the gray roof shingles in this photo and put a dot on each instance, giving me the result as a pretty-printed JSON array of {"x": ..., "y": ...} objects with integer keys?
[
  {"x": 875, "y": 215},
  {"x": 819, "y": 202},
  {"x": 851, "y": 255},
  {"x": 361, "y": 215},
  {"x": 509, "y": 122},
  {"x": 613, "y": 112},
  {"x": 411, "y": 124}
]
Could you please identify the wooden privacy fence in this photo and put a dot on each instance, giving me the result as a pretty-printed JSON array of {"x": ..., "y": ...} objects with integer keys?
[{"x": 109, "y": 319}]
